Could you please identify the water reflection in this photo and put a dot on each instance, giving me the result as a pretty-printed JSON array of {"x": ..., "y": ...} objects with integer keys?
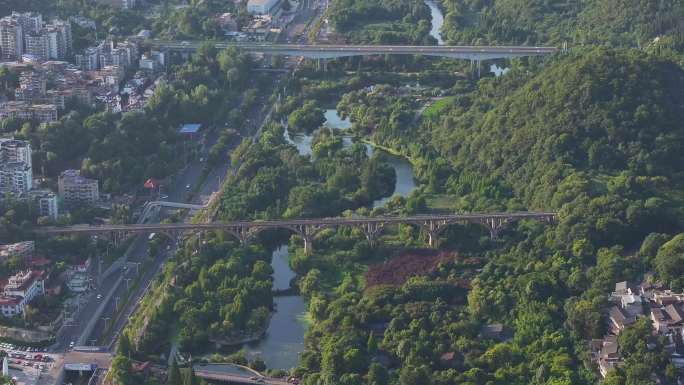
[{"x": 284, "y": 339}]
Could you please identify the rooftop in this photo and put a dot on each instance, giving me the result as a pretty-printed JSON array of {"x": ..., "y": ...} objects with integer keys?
[
  {"x": 9, "y": 300},
  {"x": 189, "y": 128}
]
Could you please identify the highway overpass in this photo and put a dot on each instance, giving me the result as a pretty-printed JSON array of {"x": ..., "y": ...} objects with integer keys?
[{"x": 475, "y": 53}]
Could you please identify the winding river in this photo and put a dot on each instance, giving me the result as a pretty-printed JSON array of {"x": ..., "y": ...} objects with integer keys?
[
  {"x": 405, "y": 182},
  {"x": 437, "y": 21},
  {"x": 284, "y": 339}
]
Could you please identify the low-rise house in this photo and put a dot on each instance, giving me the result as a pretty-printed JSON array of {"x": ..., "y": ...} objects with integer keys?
[
  {"x": 493, "y": 332},
  {"x": 619, "y": 319},
  {"x": 668, "y": 319}
]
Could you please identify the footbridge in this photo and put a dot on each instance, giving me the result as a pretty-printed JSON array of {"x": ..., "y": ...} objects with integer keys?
[
  {"x": 307, "y": 229},
  {"x": 325, "y": 51}
]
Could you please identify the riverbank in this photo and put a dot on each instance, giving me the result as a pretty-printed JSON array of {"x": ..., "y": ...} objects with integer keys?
[{"x": 390, "y": 151}]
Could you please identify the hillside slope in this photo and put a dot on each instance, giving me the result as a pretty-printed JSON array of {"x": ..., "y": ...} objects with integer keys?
[{"x": 607, "y": 124}]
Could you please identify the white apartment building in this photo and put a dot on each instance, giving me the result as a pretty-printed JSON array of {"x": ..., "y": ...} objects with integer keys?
[
  {"x": 45, "y": 202},
  {"x": 38, "y": 46},
  {"x": 74, "y": 188},
  {"x": 20, "y": 290},
  {"x": 16, "y": 172},
  {"x": 30, "y": 22},
  {"x": 43, "y": 113},
  {"x": 11, "y": 39},
  {"x": 15, "y": 178},
  {"x": 12, "y": 150}
]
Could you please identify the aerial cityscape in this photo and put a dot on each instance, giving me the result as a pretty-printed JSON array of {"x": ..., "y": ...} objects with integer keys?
[{"x": 341, "y": 192}]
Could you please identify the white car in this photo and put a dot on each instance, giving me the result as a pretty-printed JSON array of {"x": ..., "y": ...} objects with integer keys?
[
  {"x": 71, "y": 344},
  {"x": 99, "y": 296}
]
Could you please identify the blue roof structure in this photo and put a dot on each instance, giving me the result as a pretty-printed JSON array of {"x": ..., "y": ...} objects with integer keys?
[{"x": 190, "y": 128}]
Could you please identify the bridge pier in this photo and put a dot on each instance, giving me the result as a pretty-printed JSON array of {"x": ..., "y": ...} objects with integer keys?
[
  {"x": 308, "y": 244},
  {"x": 244, "y": 234},
  {"x": 433, "y": 239},
  {"x": 372, "y": 230},
  {"x": 433, "y": 228},
  {"x": 307, "y": 232},
  {"x": 494, "y": 225}
]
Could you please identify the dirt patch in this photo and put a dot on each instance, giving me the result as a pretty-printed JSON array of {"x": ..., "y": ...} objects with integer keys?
[{"x": 411, "y": 263}]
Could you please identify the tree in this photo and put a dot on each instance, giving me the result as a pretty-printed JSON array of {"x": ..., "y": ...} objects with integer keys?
[
  {"x": 410, "y": 375},
  {"x": 258, "y": 364},
  {"x": 174, "y": 375},
  {"x": 286, "y": 6},
  {"x": 669, "y": 262},
  {"x": 377, "y": 374},
  {"x": 372, "y": 345},
  {"x": 124, "y": 347},
  {"x": 310, "y": 283},
  {"x": 306, "y": 118},
  {"x": 121, "y": 370}
]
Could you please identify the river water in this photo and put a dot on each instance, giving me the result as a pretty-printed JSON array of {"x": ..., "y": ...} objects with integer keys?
[
  {"x": 437, "y": 21},
  {"x": 402, "y": 167},
  {"x": 284, "y": 339}
]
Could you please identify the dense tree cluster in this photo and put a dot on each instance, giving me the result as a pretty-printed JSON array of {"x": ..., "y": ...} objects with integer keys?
[
  {"x": 384, "y": 22},
  {"x": 615, "y": 22},
  {"x": 273, "y": 180}
]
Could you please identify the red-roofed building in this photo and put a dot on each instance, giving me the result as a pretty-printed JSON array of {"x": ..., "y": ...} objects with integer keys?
[
  {"x": 20, "y": 289},
  {"x": 40, "y": 262},
  {"x": 151, "y": 184}
]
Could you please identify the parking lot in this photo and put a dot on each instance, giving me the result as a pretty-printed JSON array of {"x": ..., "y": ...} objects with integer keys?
[{"x": 26, "y": 363}]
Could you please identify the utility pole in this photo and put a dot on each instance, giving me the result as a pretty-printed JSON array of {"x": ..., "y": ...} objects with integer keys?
[
  {"x": 128, "y": 281},
  {"x": 106, "y": 319},
  {"x": 116, "y": 302}
]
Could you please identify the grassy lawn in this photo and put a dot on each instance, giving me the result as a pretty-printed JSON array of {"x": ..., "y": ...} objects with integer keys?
[
  {"x": 440, "y": 202},
  {"x": 435, "y": 109}
]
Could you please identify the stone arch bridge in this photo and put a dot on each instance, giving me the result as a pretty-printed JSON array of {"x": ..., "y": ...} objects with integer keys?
[{"x": 372, "y": 227}]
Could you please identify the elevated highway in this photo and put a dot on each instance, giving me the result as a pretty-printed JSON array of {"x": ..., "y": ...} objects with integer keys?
[{"x": 475, "y": 53}]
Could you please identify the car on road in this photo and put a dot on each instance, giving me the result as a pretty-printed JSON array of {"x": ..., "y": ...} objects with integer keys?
[
  {"x": 71, "y": 344},
  {"x": 99, "y": 296},
  {"x": 187, "y": 187}
]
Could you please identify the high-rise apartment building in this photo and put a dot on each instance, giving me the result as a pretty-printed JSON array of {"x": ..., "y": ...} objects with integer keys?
[
  {"x": 11, "y": 39},
  {"x": 16, "y": 171}
]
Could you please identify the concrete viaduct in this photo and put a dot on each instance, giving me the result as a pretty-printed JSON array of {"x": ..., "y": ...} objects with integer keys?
[
  {"x": 325, "y": 51},
  {"x": 246, "y": 231}
]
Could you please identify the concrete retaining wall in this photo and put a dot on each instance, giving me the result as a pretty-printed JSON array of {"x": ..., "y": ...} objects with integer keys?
[{"x": 32, "y": 336}]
